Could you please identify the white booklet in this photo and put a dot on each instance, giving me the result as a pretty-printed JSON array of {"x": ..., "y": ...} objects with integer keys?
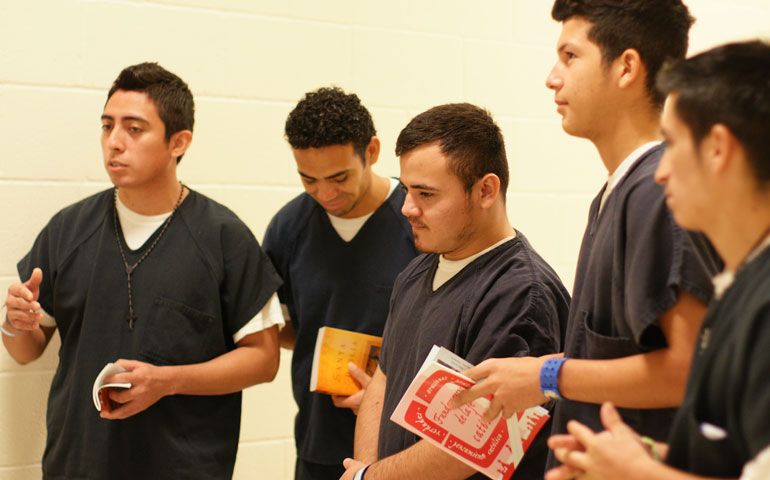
[
  {"x": 494, "y": 449},
  {"x": 101, "y": 390}
]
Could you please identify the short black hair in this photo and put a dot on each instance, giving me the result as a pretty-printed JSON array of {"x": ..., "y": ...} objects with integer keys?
[
  {"x": 169, "y": 93},
  {"x": 467, "y": 135},
  {"x": 728, "y": 85},
  {"x": 657, "y": 29},
  {"x": 329, "y": 116}
]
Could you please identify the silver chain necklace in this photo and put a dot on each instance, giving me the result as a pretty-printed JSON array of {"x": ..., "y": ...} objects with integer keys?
[{"x": 130, "y": 268}]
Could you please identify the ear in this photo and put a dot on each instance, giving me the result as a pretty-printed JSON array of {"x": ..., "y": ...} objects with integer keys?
[
  {"x": 488, "y": 190},
  {"x": 629, "y": 68},
  {"x": 372, "y": 151},
  {"x": 719, "y": 147},
  {"x": 179, "y": 143}
]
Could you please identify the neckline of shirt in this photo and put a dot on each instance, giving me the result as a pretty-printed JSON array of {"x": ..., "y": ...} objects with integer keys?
[
  {"x": 137, "y": 228},
  {"x": 347, "y": 228},
  {"x": 615, "y": 177},
  {"x": 447, "y": 269},
  {"x": 724, "y": 279},
  {"x": 134, "y": 217}
]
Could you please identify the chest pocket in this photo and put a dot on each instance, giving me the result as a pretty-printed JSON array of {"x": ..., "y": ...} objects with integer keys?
[
  {"x": 599, "y": 346},
  {"x": 178, "y": 334}
]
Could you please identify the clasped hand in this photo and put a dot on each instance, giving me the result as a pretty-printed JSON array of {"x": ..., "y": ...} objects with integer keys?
[
  {"x": 616, "y": 452},
  {"x": 149, "y": 383}
]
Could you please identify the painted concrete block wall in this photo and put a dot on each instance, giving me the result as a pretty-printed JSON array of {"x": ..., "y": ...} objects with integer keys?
[{"x": 248, "y": 62}]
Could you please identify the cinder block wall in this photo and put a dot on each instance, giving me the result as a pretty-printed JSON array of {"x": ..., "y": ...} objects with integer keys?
[{"x": 248, "y": 62}]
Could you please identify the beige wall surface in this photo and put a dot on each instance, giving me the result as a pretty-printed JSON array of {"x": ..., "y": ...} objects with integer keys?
[{"x": 248, "y": 62}]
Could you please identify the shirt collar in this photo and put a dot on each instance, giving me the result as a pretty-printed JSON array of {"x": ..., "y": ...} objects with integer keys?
[
  {"x": 614, "y": 179},
  {"x": 723, "y": 280}
]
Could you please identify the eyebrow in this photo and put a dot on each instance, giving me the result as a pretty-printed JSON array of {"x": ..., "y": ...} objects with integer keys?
[
  {"x": 330, "y": 177},
  {"x": 419, "y": 187},
  {"x": 564, "y": 46},
  {"x": 123, "y": 119}
]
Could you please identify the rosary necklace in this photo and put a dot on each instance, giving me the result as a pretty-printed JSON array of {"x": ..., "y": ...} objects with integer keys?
[{"x": 130, "y": 268}]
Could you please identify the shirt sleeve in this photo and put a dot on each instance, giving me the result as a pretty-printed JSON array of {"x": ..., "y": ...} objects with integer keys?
[
  {"x": 515, "y": 321},
  {"x": 275, "y": 246},
  {"x": 250, "y": 278},
  {"x": 270, "y": 316},
  {"x": 387, "y": 331},
  {"x": 383, "y": 360},
  {"x": 660, "y": 260},
  {"x": 42, "y": 255}
]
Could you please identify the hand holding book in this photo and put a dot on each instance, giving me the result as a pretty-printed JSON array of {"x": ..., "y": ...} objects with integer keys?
[
  {"x": 335, "y": 349},
  {"x": 101, "y": 389},
  {"x": 353, "y": 402},
  {"x": 512, "y": 383},
  {"x": 493, "y": 448}
]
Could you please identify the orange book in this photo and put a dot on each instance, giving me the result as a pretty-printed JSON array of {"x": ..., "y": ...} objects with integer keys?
[{"x": 334, "y": 348}]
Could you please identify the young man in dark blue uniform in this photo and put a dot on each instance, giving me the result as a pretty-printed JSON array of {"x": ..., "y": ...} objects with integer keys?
[
  {"x": 480, "y": 290},
  {"x": 159, "y": 279},
  {"x": 641, "y": 288},
  {"x": 716, "y": 172},
  {"x": 338, "y": 248}
]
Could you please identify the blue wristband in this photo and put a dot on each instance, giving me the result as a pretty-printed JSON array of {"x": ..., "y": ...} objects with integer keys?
[{"x": 549, "y": 378}]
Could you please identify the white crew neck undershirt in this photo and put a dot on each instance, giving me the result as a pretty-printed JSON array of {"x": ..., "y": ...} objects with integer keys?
[
  {"x": 723, "y": 280},
  {"x": 347, "y": 228},
  {"x": 137, "y": 228},
  {"x": 449, "y": 268}
]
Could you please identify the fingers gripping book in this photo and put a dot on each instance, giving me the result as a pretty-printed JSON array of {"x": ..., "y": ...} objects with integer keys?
[
  {"x": 101, "y": 389},
  {"x": 334, "y": 349},
  {"x": 494, "y": 449}
]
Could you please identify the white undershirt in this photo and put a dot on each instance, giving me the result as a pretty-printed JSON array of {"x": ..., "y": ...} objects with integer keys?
[
  {"x": 449, "y": 268},
  {"x": 347, "y": 228},
  {"x": 623, "y": 168},
  {"x": 724, "y": 279},
  {"x": 138, "y": 228}
]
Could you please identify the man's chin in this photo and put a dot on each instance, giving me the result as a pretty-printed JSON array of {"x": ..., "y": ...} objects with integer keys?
[
  {"x": 574, "y": 130},
  {"x": 341, "y": 211},
  {"x": 422, "y": 247}
]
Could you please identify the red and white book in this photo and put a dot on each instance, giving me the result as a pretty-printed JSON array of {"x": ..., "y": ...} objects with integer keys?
[{"x": 495, "y": 448}]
